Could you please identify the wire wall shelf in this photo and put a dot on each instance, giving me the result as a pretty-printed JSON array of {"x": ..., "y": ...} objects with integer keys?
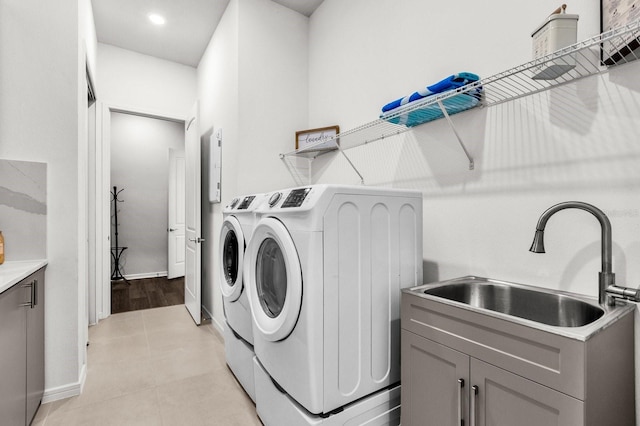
[{"x": 586, "y": 58}]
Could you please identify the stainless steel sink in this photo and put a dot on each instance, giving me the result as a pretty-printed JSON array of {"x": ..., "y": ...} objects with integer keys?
[{"x": 547, "y": 308}]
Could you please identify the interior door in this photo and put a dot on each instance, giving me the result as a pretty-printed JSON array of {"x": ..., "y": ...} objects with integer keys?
[
  {"x": 193, "y": 231},
  {"x": 177, "y": 200}
]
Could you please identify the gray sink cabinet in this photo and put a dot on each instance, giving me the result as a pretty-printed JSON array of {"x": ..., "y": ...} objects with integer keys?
[
  {"x": 22, "y": 350},
  {"x": 462, "y": 367}
]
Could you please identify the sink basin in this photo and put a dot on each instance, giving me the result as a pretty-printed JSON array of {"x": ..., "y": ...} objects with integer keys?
[{"x": 544, "y": 307}]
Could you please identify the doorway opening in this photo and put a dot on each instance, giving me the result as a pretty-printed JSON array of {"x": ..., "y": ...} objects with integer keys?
[{"x": 149, "y": 212}]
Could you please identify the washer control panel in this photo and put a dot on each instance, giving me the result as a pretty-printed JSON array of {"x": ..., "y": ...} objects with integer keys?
[
  {"x": 296, "y": 197},
  {"x": 275, "y": 197},
  {"x": 234, "y": 202}
]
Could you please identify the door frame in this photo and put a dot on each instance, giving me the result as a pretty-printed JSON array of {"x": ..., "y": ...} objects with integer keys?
[{"x": 102, "y": 207}]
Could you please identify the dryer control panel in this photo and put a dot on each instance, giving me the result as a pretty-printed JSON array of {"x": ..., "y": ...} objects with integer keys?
[
  {"x": 296, "y": 197},
  {"x": 246, "y": 202}
]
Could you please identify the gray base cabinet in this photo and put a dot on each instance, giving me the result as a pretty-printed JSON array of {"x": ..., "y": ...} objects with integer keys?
[
  {"x": 435, "y": 381},
  {"x": 35, "y": 347},
  {"x": 444, "y": 387},
  {"x": 464, "y": 368},
  {"x": 13, "y": 362},
  {"x": 22, "y": 350}
]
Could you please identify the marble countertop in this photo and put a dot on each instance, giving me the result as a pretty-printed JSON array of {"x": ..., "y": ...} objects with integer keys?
[{"x": 12, "y": 273}]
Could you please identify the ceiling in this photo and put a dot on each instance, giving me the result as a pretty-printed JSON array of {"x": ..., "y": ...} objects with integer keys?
[{"x": 186, "y": 34}]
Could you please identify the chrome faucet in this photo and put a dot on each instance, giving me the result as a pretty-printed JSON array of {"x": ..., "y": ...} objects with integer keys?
[{"x": 607, "y": 290}]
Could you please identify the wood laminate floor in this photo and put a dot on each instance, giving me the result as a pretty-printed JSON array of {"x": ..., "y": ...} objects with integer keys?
[{"x": 146, "y": 293}]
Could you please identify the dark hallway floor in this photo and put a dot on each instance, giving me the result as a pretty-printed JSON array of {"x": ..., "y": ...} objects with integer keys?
[{"x": 146, "y": 293}]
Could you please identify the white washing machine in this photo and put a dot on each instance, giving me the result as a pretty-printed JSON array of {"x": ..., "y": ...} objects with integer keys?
[
  {"x": 239, "y": 357},
  {"x": 237, "y": 227},
  {"x": 324, "y": 268}
]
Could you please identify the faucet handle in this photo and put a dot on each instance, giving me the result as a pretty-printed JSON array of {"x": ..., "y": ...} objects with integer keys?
[{"x": 631, "y": 294}]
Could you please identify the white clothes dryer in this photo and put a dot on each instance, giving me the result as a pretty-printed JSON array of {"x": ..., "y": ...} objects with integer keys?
[
  {"x": 325, "y": 267},
  {"x": 237, "y": 227}
]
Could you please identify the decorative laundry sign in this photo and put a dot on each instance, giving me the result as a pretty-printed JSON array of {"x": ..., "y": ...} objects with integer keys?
[{"x": 321, "y": 139}]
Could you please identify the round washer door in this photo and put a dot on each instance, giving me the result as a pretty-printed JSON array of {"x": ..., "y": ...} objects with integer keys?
[
  {"x": 232, "y": 248},
  {"x": 274, "y": 280}
]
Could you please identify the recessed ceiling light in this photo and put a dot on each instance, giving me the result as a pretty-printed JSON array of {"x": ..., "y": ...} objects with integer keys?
[{"x": 156, "y": 19}]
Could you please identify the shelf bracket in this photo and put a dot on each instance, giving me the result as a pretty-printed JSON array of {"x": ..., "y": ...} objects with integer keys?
[
  {"x": 455, "y": 132},
  {"x": 295, "y": 170},
  {"x": 351, "y": 164}
]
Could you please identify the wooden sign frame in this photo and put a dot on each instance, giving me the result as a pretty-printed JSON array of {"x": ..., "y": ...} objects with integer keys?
[{"x": 310, "y": 140}]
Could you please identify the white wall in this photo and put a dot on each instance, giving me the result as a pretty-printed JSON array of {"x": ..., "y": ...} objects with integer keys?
[
  {"x": 529, "y": 153},
  {"x": 43, "y": 118},
  {"x": 88, "y": 32},
  {"x": 218, "y": 102},
  {"x": 273, "y": 70},
  {"x": 364, "y": 54},
  {"x": 140, "y": 168},
  {"x": 578, "y": 142},
  {"x": 252, "y": 83},
  {"x": 130, "y": 80}
]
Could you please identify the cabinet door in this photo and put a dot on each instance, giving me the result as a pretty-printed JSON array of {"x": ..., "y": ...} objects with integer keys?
[
  {"x": 12, "y": 355},
  {"x": 435, "y": 387},
  {"x": 35, "y": 346},
  {"x": 505, "y": 399}
]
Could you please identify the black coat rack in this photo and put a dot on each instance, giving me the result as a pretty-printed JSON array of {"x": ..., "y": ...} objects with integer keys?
[{"x": 116, "y": 251}]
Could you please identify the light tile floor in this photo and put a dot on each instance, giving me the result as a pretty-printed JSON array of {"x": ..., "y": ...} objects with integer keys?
[{"x": 154, "y": 367}]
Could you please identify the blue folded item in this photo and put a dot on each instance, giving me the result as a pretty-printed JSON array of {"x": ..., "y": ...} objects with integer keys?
[
  {"x": 449, "y": 83},
  {"x": 453, "y": 105}
]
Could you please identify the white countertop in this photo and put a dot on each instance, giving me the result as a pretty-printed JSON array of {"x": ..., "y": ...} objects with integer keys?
[{"x": 12, "y": 273}]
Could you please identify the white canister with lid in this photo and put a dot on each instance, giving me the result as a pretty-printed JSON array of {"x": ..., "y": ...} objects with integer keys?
[{"x": 559, "y": 30}]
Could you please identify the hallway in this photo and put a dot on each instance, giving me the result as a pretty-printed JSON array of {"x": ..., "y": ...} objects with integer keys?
[
  {"x": 154, "y": 367},
  {"x": 146, "y": 293}
]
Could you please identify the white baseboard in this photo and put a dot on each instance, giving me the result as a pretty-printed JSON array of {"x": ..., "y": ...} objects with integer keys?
[
  {"x": 214, "y": 323},
  {"x": 218, "y": 326},
  {"x": 146, "y": 275},
  {"x": 206, "y": 313},
  {"x": 66, "y": 391}
]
